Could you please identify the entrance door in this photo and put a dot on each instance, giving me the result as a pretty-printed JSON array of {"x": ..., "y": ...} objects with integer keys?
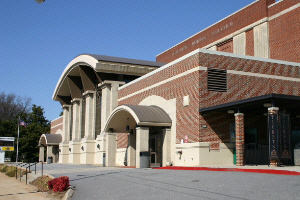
[{"x": 155, "y": 146}]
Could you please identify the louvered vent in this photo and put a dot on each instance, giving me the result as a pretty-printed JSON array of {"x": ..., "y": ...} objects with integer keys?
[{"x": 217, "y": 80}]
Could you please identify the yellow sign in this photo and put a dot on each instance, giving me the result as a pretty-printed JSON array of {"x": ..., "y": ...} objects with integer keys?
[{"x": 7, "y": 148}]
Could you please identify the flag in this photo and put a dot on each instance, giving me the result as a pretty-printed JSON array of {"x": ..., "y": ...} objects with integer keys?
[{"x": 22, "y": 123}]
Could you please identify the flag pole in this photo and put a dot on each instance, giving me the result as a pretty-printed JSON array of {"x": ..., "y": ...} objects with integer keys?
[{"x": 18, "y": 139}]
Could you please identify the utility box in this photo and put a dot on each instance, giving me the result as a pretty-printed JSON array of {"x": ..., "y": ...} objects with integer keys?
[
  {"x": 49, "y": 160},
  {"x": 145, "y": 159},
  {"x": 297, "y": 154}
]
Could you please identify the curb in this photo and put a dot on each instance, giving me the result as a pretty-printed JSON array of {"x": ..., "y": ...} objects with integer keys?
[{"x": 263, "y": 171}]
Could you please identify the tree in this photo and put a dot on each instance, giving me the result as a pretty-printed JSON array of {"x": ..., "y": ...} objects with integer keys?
[
  {"x": 29, "y": 136},
  {"x": 12, "y": 105},
  {"x": 37, "y": 125}
]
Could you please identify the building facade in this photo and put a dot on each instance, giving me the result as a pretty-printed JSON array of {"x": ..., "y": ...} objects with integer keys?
[{"x": 230, "y": 94}]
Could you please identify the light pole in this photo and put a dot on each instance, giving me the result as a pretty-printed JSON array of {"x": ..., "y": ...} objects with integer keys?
[{"x": 39, "y": 1}]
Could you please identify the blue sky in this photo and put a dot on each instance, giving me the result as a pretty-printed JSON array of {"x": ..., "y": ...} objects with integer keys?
[{"x": 37, "y": 41}]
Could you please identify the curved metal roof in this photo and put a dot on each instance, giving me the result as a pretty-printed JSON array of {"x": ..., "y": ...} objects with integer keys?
[
  {"x": 50, "y": 139},
  {"x": 139, "y": 115},
  {"x": 150, "y": 114},
  {"x": 125, "y": 60}
]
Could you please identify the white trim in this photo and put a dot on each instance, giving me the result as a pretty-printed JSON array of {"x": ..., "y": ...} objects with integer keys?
[
  {"x": 210, "y": 26},
  {"x": 165, "y": 81},
  {"x": 56, "y": 118},
  {"x": 91, "y": 61},
  {"x": 242, "y": 30},
  {"x": 56, "y": 125},
  {"x": 201, "y": 68},
  {"x": 248, "y": 57},
  {"x": 274, "y": 3},
  {"x": 285, "y": 11},
  {"x": 263, "y": 75},
  {"x": 160, "y": 69}
]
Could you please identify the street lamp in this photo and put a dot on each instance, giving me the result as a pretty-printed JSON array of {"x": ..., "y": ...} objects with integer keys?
[{"x": 39, "y": 1}]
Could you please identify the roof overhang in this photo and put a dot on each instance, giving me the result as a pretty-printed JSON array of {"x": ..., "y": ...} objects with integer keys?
[
  {"x": 50, "y": 139},
  {"x": 136, "y": 115},
  {"x": 102, "y": 64}
]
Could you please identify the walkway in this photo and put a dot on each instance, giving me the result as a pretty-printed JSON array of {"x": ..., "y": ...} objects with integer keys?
[{"x": 13, "y": 189}]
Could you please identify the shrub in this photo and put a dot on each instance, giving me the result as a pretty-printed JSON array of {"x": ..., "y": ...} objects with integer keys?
[
  {"x": 3, "y": 168},
  {"x": 41, "y": 183},
  {"x": 59, "y": 184}
]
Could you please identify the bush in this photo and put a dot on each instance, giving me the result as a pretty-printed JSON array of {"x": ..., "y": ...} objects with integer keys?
[
  {"x": 3, "y": 168},
  {"x": 41, "y": 183},
  {"x": 59, "y": 184},
  {"x": 11, "y": 171}
]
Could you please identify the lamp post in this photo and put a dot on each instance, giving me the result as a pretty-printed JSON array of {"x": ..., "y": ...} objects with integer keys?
[{"x": 39, "y": 1}]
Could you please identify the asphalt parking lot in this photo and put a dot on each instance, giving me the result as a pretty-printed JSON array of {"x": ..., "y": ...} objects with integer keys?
[{"x": 95, "y": 182}]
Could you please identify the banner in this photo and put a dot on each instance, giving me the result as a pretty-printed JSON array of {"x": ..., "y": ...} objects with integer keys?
[
  {"x": 273, "y": 135},
  {"x": 285, "y": 135}
]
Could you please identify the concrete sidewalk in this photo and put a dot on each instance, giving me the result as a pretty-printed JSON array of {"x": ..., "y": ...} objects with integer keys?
[{"x": 13, "y": 189}]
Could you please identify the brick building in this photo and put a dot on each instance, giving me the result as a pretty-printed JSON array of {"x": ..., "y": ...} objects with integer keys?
[{"x": 229, "y": 94}]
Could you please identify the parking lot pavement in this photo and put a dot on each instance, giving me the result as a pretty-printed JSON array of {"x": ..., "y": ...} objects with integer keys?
[{"x": 95, "y": 182}]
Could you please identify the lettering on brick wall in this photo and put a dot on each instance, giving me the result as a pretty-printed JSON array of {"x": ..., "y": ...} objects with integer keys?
[{"x": 195, "y": 42}]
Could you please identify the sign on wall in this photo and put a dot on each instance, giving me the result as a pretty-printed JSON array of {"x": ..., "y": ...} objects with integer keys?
[
  {"x": 285, "y": 134},
  {"x": 7, "y": 143},
  {"x": 273, "y": 135}
]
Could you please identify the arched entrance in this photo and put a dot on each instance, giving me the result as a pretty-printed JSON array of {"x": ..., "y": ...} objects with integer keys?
[
  {"x": 51, "y": 142},
  {"x": 148, "y": 129}
]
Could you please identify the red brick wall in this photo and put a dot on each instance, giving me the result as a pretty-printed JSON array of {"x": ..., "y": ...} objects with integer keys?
[
  {"x": 188, "y": 119},
  {"x": 280, "y": 6},
  {"x": 250, "y": 43},
  {"x": 122, "y": 139},
  {"x": 195, "y": 85},
  {"x": 240, "y": 87},
  {"x": 245, "y": 17},
  {"x": 226, "y": 46},
  {"x": 56, "y": 125},
  {"x": 285, "y": 33}
]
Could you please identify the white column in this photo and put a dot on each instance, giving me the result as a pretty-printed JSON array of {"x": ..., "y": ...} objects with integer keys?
[
  {"x": 100, "y": 155},
  {"x": 131, "y": 151},
  {"x": 50, "y": 152},
  {"x": 142, "y": 142},
  {"x": 166, "y": 151},
  {"x": 74, "y": 145},
  {"x": 42, "y": 155},
  {"x": 261, "y": 40},
  {"x": 111, "y": 149},
  {"x": 109, "y": 99},
  {"x": 239, "y": 44},
  {"x": 88, "y": 142},
  {"x": 64, "y": 145}
]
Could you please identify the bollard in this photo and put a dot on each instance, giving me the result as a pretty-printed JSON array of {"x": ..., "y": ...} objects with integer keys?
[
  {"x": 34, "y": 167},
  {"x": 42, "y": 167}
]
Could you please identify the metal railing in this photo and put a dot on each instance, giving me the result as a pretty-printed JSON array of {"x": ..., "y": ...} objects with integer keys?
[
  {"x": 27, "y": 169},
  {"x": 256, "y": 154}
]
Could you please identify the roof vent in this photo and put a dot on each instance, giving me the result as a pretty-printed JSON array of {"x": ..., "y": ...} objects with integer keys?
[{"x": 217, "y": 80}]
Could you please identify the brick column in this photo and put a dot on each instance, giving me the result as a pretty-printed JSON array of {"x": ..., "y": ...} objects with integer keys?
[
  {"x": 240, "y": 138},
  {"x": 274, "y": 131}
]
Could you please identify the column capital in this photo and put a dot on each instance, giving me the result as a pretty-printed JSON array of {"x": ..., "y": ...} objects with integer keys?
[
  {"x": 88, "y": 92},
  {"x": 239, "y": 114},
  {"x": 106, "y": 83},
  {"x": 273, "y": 108},
  {"x": 66, "y": 106},
  {"x": 76, "y": 100}
]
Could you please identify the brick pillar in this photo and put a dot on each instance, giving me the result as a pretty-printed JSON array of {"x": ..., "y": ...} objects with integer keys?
[
  {"x": 240, "y": 138},
  {"x": 273, "y": 140}
]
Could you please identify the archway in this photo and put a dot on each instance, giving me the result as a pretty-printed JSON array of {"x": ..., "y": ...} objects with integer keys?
[
  {"x": 51, "y": 142},
  {"x": 136, "y": 120}
]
